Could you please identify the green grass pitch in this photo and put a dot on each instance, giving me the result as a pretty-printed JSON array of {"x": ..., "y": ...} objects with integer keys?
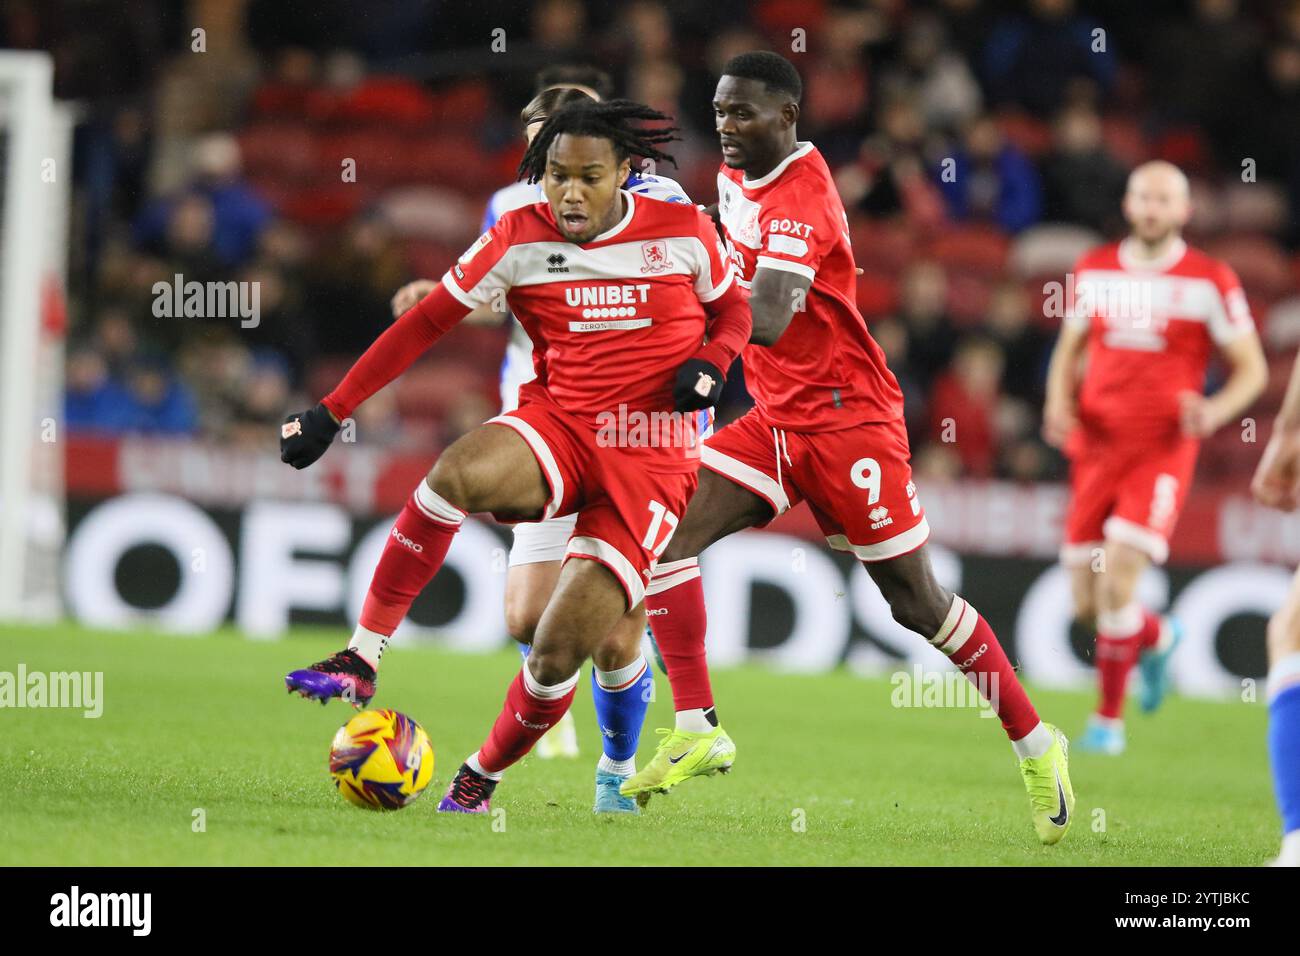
[{"x": 204, "y": 723}]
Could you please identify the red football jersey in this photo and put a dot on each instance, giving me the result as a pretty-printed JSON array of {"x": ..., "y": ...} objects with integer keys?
[
  {"x": 1151, "y": 326},
  {"x": 611, "y": 320},
  {"x": 826, "y": 371}
]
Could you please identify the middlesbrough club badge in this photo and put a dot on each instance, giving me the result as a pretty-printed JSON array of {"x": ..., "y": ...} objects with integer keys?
[{"x": 655, "y": 254}]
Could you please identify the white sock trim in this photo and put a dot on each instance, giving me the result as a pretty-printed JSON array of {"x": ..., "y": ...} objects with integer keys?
[
  {"x": 473, "y": 764},
  {"x": 1035, "y": 743},
  {"x": 435, "y": 507},
  {"x": 1284, "y": 673},
  {"x": 1122, "y": 623},
  {"x": 957, "y": 627},
  {"x": 672, "y": 567},
  {"x": 621, "y": 678},
  {"x": 369, "y": 644},
  {"x": 620, "y": 768},
  {"x": 667, "y": 576},
  {"x": 542, "y": 691},
  {"x": 693, "y": 721}
]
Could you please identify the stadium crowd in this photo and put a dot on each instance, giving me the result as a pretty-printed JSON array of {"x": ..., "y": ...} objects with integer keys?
[{"x": 259, "y": 150}]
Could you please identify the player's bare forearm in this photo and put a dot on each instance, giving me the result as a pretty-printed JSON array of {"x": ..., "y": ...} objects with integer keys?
[
  {"x": 1245, "y": 383},
  {"x": 1062, "y": 385},
  {"x": 1063, "y": 369},
  {"x": 774, "y": 297},
  {"x": 1288, "y": 417}
]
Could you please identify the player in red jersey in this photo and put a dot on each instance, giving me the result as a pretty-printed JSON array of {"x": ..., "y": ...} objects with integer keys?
[
  {"x": 1148, "y": 312},
  {"x": 827, "y": 427},
  {"x": 617, "y": 293}
]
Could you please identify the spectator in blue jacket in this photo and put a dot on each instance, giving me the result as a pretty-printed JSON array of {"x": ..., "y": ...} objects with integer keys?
[{"x": 990, "y": 180}]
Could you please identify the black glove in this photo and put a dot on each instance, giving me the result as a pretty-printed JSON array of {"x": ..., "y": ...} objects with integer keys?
[
  {"x": 305, "y": 436},
  {"x": 699, "y": 385}
]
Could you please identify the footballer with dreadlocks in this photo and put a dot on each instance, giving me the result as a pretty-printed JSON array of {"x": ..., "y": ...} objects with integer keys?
[
  {"x": 537, "y": 548},
  {"x": 635, "y": 317}
]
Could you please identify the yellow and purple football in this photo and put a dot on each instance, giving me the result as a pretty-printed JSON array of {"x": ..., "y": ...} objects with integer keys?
[{"x": 381, "y": 760}]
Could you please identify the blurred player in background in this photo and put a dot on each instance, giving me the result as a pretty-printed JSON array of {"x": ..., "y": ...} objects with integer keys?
[
  {"x": 1277, "y": 484},
  {"x": 1147, "y": 312},
  {"x": 827, "y": 427},
  {"x": 618, "y": 292},
  {"x": 538, "y": 547}
]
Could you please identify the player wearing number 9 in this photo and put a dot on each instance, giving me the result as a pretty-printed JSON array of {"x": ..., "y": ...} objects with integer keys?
[{"x": 827, "y": 428}]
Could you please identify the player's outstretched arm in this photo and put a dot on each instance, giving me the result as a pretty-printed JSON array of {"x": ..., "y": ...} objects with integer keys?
[
  {"x": 305, "y": 436},
  {"x": 1059, "y": 415},
  {"x": 408, "y": 295},
  {"x": 775, "y": 296},
  {"x": 1247, "y": 376}
]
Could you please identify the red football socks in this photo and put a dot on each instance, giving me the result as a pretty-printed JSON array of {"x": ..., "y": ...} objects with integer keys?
[
  {"x": 1121, "y": 638},
  {"x": 968, "y": 641},
  {"x": 674, "y": 605},
  {"x": 415, "y": 551},
  {"x": 531, "y": 709}
]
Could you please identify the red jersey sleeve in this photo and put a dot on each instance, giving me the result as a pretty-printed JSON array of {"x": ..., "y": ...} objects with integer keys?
[
  {"x": 714, "y": 272},
  {"x": 797, "y": 230},
  {"x": 474, "y": 280},
  {"x": 1229, "y": 317},
  {"x": 484, "y": 273}
]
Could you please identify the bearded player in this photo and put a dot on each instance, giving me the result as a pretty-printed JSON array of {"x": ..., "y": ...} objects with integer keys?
[
  {"x": 538, "y": 547},
  {"x": 1277, "y": 485},
  {"x": 617, "y": 293},
  {"x": 827, "y": 427},
  {"x": 1148, "y": 312}
]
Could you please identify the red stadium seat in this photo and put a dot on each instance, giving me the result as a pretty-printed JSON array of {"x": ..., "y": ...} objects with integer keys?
[
  {"x": 325, "y": 205},
  {"x": 431, "y": 387},
  {"x": 463, "y": 106},
  {"x": 1259, "y": 262},
  {"x": 1027, "y": 134},
  {"x": 1184, "y": 147},
  {"x": 1124, "y": 140},
  {"x": 882, "y": 246},
  {"x": 388, "y": 100},
  {"x": 430, "y": 259},
  {"x": 278, "y": 150},
  {"x": 977, "y": 249},
  {"x": 968, "y": 299}
]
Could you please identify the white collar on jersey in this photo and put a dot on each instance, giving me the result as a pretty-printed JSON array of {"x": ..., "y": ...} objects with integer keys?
[
  {"x": 614, "y": 230},
  {"x": 1131, "y": 262},
  {"x": 801, "y": 149}
]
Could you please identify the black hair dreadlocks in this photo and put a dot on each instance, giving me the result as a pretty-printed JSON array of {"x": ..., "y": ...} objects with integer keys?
[{"x": 609, "y": 120}]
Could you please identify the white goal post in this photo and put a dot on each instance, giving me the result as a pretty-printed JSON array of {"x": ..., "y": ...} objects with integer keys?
[{"x": 35, "y": 158}]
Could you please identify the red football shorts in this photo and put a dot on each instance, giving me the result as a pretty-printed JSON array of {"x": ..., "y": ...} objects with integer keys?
[
  {"x": 856, "y": 480},
  {"x": 627, "y": 511},
  {"x": 1127, "y": 492}
]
